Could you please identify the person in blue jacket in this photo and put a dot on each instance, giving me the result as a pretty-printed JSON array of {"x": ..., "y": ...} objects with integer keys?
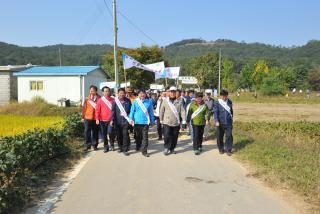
[
  {"x": 142, "y": 117},
  {"x": 223, "y": 118},
  {"x": 120, "y": 117}
]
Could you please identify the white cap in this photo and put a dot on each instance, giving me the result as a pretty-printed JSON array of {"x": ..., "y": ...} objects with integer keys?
[
  {"x": 172, "y": 88},
  {"x": 208, "y": 91}
]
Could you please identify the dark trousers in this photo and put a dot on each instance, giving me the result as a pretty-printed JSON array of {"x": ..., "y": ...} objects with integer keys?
[
  {"x": 197, "y": 136},
  {"x": 159, "y": 128},
  {"x": 123, "y": 137},
  {"x": 171, "y": 134},
  {"x": 221, "y": 131},
  {"x": 106, "y": 130},
  {"x": 142, "y": 137},
  {"x": 91, "y": 130}
]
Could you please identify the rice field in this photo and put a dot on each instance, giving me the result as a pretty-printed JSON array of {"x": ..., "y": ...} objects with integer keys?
[{"x": 16, "y": 124}]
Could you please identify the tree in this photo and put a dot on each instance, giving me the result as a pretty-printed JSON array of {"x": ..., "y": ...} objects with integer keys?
[
  {"x": 272, "y": 84},
  {"x": 314, "y": 80},
  {"x": 260, "y": 70},
  {"x": 227, "y": 74},
  {"x": 137, "y": 77},
  {"x": 205, "y": 69},
  {"x": 245, "y": 78}
]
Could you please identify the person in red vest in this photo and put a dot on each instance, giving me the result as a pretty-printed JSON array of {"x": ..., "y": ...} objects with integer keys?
[
  {"x": 104, "y": 117},
  {"x": 91, "y": 129}
]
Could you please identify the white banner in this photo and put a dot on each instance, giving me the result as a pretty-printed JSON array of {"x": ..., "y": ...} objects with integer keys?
[
  {"x": 108, "y": 84},
  {"x": 188, "y": 80},
  {"x": 129, "y": 62},
  {"x": 123, "y": 85},
  {"x": 156, "y": 67},
  {"x": 156, "y": 87},
  {"x": 170, "y": 73}
]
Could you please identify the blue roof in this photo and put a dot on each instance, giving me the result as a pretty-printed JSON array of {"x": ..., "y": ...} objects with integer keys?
[{"x": 57, "y": 71}]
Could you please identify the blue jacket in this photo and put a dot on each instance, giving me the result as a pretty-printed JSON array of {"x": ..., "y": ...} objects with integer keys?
[
  {"x": 221, "y": 115},
  {"x": 138, "y": 116},
  {"x": 116, "y": 113}
]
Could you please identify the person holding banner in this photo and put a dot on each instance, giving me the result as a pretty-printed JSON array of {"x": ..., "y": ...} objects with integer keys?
[
  {"x": 198, "y": 116},
  {"x": 91, "y": 130},
  {"x": 120, "y": 111},
  {"x": 223, "y": 117},
  {"x": 104, "y": 118},
  {"x": 171, "y": 113},
  {"x": 141, "y": 115}
]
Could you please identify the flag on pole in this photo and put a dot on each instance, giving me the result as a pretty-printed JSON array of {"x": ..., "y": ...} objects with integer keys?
[
  {"x": 170, "y": 73},
  {"x": 129, "y": 62},
  {"x": 156, "y": 67}
]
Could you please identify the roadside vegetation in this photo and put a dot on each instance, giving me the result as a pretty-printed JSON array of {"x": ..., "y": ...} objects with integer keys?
[{"x": 285, "y": 154}]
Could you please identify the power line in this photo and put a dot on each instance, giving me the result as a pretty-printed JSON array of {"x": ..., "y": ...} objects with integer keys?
[
  {"x": 137, "y": 28},
  {"x": 108, "y": 8},
  {"x": 130, "y": 22}
]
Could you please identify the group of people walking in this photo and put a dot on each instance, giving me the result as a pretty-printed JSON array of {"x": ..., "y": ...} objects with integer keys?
[{"x": 113, "y": 118}]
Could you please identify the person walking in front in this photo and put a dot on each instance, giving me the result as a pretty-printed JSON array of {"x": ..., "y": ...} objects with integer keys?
[
  {"x": 142, "y": 117},
  {"x": 209, "y": 101},
  {"x": 198, "y": 116},
  {"x": 223, "y": 117},
  {"x": 157, "y": 113},
  {"x": 171, "y": 113},
  {"x": 120, "y": 111},
  {"x": 91, "y": 129},
  {"x": 104, "y": 118}
]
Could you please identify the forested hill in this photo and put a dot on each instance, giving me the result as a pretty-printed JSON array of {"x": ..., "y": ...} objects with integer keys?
[
  {"x": 177, "y": 53},
  {"x": 180, "y": 52},
  {"x": 49, "y": 55}
]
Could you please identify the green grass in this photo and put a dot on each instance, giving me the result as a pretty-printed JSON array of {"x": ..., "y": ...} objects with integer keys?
[
  {"x": 16, "y": 124},
  {"x": 247, "y": 97},
  {"x": 284, "y": 153}
]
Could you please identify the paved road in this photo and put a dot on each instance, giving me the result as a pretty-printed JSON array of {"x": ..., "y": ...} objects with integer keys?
[{"x": 181, "y": 183}]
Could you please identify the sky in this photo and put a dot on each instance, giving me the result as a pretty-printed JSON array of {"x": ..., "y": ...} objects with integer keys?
[{"x": 47, "y": 22}]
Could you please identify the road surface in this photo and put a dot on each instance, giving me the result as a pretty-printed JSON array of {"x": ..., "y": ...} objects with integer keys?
[{"x": 181, "y": 183}]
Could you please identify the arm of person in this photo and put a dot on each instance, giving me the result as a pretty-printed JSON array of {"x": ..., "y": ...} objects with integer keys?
[
  {"x": 150, "y": 110},
  {"x": 216, "y": 113},
  {"x": 162, "y": 110},
  {"x": 84, "y": 108},
  {"x": 97, "y": 112}
]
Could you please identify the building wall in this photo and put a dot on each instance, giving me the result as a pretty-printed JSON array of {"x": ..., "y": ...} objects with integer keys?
[
  {"x": 94, "y": 78},
  {"x": 4, "y": 87},
  {"x": 54, "y": 88}
]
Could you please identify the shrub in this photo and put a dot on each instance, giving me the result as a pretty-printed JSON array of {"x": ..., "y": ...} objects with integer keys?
[
  {"x": 19, "y": 156},
  {"x": 73, "y": 125}
]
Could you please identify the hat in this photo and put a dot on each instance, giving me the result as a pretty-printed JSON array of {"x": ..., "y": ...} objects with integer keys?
[
  {"x": 208, "y": 91},
  {"x": 172, "y": 88}
]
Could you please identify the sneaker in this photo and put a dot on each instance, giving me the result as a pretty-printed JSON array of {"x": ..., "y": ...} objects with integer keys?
[
  {"x": 86, "y": 149},
  {"x": 126, "y": 153},
  {"x": 120, "y": 150},
  {"x": 166, "y": 152},
  {"x": 95, "y": 148},
  {"x": 229, "y": 153},
  {"x": 111, "y": 148},
  {"x": 173, "y": 152},
  {"x": 200, "y": 149},
  {"x": 146, "y": 155},
  {"x": 197, "y": 152},
  {"x": 221, "y": 152}
]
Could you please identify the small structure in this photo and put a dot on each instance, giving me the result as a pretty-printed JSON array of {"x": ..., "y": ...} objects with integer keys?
[
  {"x": 57, "y": 83},
  {"x": 8, "y": 83}
]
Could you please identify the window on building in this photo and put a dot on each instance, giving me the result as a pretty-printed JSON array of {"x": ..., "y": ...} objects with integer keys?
[{"x": 36, "y": 85}]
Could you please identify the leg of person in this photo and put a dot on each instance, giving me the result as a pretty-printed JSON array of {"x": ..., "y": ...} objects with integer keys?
[
  {"x": 159, "y": 129},
  {"x": 125, "y": 139},
  {"x": 166, "y": 135},
  {"x": 201, "y": 131},
  {"x": 196, "y": 135},
  {"x": 95, "y": 134},
  {"x": 120, "y": 137},
  {"x": 191, "y": 131},
  {"x": 175, "y": 135},
  {"x": 145, "y": 140},
  {"x": 103, "y": 130},
  {"x": 220, "y": 134},
  {"x": 138, "y": 136},
  {"x": 229, "y": 139},
  {"x": 87, "y": 134},
  {"x": 112, "y": 133}
]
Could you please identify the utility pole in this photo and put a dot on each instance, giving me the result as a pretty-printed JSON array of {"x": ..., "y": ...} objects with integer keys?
[
  {"x": 219, "y": 87},
  {"x": 115, "y": 45},
  {"x": 60, "y": 56}
]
